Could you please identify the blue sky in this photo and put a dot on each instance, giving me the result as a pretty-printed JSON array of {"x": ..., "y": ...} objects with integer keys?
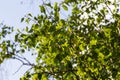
[{"x": 11, "y": 12}]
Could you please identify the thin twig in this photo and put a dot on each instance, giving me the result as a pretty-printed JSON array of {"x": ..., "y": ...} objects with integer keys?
[
  {"x": 28, "y": 70},
  {"x": 23, "y": 58},
  {"x": 28, "y": 64},
  {"x": 17, "y": 59},
  {"x": 18, "y": 69},
  {"x": 108, "y": 7}
]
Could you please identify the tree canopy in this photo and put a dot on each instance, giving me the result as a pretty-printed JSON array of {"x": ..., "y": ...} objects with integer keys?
[{"x": 85, "y": 44}]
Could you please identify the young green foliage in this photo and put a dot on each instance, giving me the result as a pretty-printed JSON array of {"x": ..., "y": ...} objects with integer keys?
[{"x": 84, "y": 45}]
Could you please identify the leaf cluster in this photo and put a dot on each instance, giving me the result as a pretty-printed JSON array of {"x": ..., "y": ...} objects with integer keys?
[{"x": 85, "y": 45}]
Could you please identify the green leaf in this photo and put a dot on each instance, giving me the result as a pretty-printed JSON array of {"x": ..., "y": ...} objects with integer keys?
[
  {"x": 22, "y": 50},
  {"x": 49, "y": 5},
  {"x": 27, "y": 20},
  {"x": 26, "y": 29},
  {"x": 93, "y": 42},
  {"x": 81, "y": 47},
  {"x": 44, "y": 77},
  {"x": 22, "y": 19},
  {"x": 16, "y": 37},
  {"x": 65, "y": 7},
  {"x": 42, "y": 9},
  {"x": 30, "y": 15},
  {"x": 55, "y": 6}
]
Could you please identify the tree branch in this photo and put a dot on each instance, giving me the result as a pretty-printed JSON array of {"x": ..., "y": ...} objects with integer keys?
[{"x": 108, "y": 7}]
